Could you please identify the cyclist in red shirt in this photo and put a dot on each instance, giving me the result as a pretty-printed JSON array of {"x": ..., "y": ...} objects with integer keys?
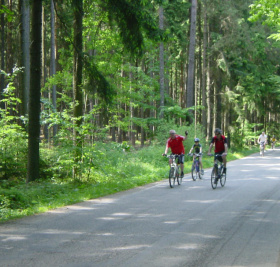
[
  {"x": 221, "y": 147},
  {"x": 175, "y": 142}
]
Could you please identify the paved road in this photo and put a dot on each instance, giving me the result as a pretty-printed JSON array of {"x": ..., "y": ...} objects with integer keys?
[{"x": 191, "y": 225}]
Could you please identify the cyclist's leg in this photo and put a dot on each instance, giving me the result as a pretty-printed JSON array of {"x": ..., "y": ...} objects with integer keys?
[
  {"x": 181, "y": 159},
  {"x": 200, "y": 162},
  {"x": 225, "y": 163}
]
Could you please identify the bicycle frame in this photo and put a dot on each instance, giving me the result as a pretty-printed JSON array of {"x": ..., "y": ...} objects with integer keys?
[
  {"x": 174, "y": 171},
  {"x": 217, "y": 172},
  {"x": 196, "y": 166}
]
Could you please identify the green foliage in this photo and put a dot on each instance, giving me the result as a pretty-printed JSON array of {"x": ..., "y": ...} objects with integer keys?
[
  {"x": 13, "y": 138},
  {"x": 109, "y": 169}
]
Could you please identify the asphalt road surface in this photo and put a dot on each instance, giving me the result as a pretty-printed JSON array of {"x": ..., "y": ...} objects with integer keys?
[{"x": 191, "y": 225}]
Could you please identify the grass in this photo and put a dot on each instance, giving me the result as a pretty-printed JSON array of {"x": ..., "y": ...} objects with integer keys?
[{"x": 119, "y": 171}]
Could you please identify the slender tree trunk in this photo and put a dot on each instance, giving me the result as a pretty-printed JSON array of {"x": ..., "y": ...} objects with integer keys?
[
  {"x": 53, "y": 60},
  {"x": 218, "y": 96},
  {"x": 35, "y": 92},
  {"x": 204, "y": 71},
  {"x": 3, "y": 28},
  {"x": 25, "y": 58},
  {"x": 9, "y": 40},
  {"x": 161, "y": 63},
  {"x": 191, "y": 61},
  {"x": 77, "y": 77}
]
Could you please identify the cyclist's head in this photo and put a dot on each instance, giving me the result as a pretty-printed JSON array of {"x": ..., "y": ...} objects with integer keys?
[
  {"x": 196, "y": 140},
  {"x": 172, "y": 133},
  {"x": 218, "y": 131}
]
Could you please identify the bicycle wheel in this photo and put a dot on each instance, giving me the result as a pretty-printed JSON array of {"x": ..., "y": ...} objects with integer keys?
[
  {"x": 172, "y": 177},
  {"x": 223, "y": 179},
  {"x": 193, "y": 172},
  {"x": 214, "y": 178},
  {"x": 197, "y": 170},
  {"x": 179, "y": 177}
]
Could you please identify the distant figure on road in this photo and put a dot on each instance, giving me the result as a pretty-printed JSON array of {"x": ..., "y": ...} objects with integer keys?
[{"x": 263, "y": 138}]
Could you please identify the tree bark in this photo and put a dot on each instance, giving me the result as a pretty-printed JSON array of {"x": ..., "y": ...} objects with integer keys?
[
  {"x": 53, "y": 60},
  {"x": 161, "y": 63},
  {"x": 77, "y": 77},
  {"x": 191, "y": 61},
  {"x": 35, "y": 92},
  {"x": 204, "y": 71},
  {"x": 25, "y": 55}
]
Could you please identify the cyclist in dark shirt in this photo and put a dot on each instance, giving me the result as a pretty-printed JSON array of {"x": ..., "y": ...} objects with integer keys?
[
  {"x": 221, "y": 147},
  {"x": 198, "y": 150}
]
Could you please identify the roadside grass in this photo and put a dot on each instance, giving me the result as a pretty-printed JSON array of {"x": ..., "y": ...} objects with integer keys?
[{"x": 116, "y": 171}]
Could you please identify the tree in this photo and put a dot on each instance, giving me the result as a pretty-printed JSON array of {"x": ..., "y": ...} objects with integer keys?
[
  {"x": 35, "y": 92},
  {"x": 77, "y": 76},
  {"x": 24, "y": 10},
  {"x": 191, "y": 59},
  {"x": 161, "y": 63}
]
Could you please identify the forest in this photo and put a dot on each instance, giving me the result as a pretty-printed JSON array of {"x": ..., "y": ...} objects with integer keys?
[{"x": 84, "y": 85}]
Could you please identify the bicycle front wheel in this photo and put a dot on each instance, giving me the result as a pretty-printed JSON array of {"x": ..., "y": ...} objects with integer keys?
[
  {"x": 179, "y": 177},
  {"x": 172, "y": 176},
  {"x": 223, "y": 179},
  {"x": 193, "y": 172},
  {"x": 214, "y": 178}
]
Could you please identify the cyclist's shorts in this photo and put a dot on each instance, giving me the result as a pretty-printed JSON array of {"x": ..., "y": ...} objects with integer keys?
[
  {"x": 219, "y": 158},
  {"x": 181, "y": 159}
]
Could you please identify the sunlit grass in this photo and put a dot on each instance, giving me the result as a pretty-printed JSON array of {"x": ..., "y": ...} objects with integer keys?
[{"x": 118, "y": 171}]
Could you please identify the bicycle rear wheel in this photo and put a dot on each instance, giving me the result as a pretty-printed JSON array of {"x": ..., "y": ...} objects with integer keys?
[
  {"x": 214, "y": 178},
  {"x": 193, "y": 172},
  {"x": 172, "y": 176}
]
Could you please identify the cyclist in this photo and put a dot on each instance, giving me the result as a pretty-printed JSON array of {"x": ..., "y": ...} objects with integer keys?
[
  {"x": 263, "y": 138},
  {"x": 175, "y": 142},
  {"x": 221, "y": 146},
  {"x": 197, "y": 149},
  {"x": 273, "y": 141}
]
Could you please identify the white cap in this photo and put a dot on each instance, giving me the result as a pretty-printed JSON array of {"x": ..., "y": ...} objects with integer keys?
[{"x": 172, "y": 132}]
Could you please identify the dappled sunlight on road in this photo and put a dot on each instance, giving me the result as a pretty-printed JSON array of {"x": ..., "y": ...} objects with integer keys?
[{"x": 132, "y": 247}]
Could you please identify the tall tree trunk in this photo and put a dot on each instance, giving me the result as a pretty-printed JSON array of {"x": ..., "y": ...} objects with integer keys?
[
  {"x": 9, "y": 43},
  {"x": 35, "y": 92},
  {"x": 53, "y": 60},
  {"x": 218, "y": 100},
  {"x": 191, "y": 61},
  {"x": 25, "y": 55},
  {"x": 204, "y": 71},
  {"x": 77, "y": 77},
  {"x": 161, "y": 63},
  {"x": 2, "y": 77}
]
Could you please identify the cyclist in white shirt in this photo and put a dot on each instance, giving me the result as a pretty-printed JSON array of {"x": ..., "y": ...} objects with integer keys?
[{"x": 263, "y": 138}]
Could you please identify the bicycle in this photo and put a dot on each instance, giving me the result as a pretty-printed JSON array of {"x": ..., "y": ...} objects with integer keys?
[
  {"x": 174, "y": 171},
  {"x": 262, "y": 148},
  {"x": 217, "y": 172},
  {"x": 196, "y": 166},
  {"x": 273, "y": 144}
]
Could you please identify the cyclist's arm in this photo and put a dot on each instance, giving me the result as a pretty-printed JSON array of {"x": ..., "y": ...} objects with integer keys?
[
  {"x": 210, "y": 148},
  {"x": 191, "y": 149},
  {"x": 166, "y": 149},
  {"x": 226, "y": 149}
]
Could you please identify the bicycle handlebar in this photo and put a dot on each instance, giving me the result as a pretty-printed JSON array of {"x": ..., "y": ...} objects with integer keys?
[{"x": 195, "y": 154}]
